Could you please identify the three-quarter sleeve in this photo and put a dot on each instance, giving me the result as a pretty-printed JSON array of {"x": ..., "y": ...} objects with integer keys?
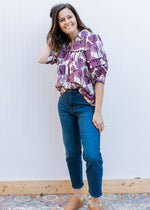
[
  {"x": 52, "y": 58},
  {"x": 96, "y": 58}
]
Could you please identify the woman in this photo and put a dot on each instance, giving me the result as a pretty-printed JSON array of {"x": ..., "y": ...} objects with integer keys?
[{"x": 81, "y": 72}]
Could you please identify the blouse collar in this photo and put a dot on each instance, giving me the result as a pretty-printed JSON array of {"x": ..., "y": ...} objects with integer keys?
[{"x": 80, "y": 36}]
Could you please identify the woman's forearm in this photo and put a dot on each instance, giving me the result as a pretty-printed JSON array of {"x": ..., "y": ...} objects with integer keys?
[
  {"x": 44, "y": 54},
  {"x": 99, "y": 92},
  {"x": 97, "y": 116}
]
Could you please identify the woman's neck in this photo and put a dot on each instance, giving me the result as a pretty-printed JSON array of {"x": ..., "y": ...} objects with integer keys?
[{"x": 73, "y": 36}]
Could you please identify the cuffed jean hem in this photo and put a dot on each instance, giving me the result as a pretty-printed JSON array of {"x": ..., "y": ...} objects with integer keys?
[
  {"x": 96, "y": 196},
  {"x": 77, "y": 187}
]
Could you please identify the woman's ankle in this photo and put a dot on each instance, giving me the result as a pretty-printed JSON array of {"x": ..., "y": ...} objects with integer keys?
[
  {"x": 95, "y": 201},
  {"x": 77, "y": 192}
]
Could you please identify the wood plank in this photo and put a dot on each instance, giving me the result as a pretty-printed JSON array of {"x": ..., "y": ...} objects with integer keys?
[{"x": 64, "y": 186}]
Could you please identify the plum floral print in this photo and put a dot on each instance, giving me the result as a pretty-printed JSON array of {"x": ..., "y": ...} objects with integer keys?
[{"x": 81, "y": 65}]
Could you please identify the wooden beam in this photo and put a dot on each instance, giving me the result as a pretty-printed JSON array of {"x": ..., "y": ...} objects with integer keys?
[{"x": 64, "y": 186}]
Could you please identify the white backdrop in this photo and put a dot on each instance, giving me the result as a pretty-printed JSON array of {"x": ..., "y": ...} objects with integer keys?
[{"x": 31, "y": 146}]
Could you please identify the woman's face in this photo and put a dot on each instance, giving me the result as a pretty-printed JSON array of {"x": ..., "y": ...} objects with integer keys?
[{"x": 67, "y": 21}]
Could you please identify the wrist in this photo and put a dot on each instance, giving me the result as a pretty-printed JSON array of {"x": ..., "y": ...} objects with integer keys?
[{"x": 99, "y": 111}]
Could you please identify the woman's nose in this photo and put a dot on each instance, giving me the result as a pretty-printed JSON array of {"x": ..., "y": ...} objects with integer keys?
[{"x": 66, "y": 21}]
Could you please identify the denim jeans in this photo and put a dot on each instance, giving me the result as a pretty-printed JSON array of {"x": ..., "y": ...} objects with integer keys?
[{"x": 78, "y": 130}]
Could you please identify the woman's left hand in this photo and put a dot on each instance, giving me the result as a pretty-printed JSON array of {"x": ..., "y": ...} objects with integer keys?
[{"x": 98, "y": 121}]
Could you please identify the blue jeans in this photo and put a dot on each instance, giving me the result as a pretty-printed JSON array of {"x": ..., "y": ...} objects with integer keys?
[{"x": 78, "y": 130}]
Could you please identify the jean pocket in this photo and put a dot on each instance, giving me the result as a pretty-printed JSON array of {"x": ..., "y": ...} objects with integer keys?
[
  {"x": 63, "y": 98},
  {"x": 63, "y": 94}
]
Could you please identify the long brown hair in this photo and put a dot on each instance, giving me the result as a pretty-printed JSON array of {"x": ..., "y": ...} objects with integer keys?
[{"x": 56, "y": 37}]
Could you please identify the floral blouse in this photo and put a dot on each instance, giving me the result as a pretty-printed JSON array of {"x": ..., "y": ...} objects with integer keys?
[{"x": 81, "y": 65}]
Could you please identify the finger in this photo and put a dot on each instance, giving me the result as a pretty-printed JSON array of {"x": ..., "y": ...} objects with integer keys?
[
  {"x": 94, "y": 122},
  {"x": 101, "y": 127},
  {"x": 98, "y": 126}
]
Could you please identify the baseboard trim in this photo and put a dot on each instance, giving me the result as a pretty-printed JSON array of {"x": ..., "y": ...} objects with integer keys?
[{"x": 64, "y": 186}]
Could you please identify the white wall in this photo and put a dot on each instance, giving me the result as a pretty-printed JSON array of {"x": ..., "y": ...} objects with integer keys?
[
  {"x": 125, "y": 29},
  {"x": 30, "y": 132}
]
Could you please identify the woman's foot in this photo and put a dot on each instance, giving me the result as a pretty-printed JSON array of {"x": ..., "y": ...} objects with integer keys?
[
  {"x": 94, "y": 204},
  {"x": 74, "y": 203}
]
